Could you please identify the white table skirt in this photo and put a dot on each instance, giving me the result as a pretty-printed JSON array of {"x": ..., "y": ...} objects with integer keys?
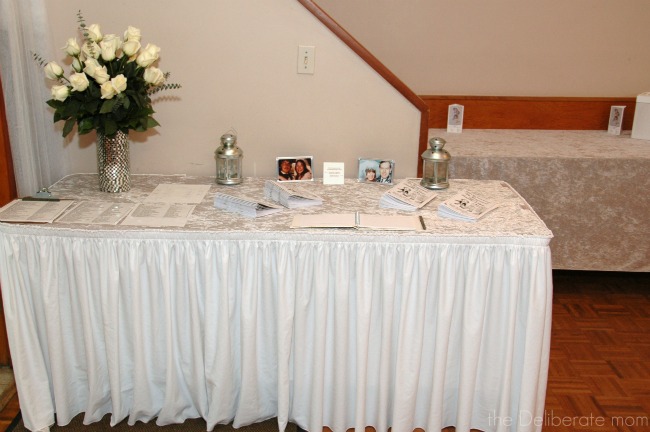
[{"x": 320, "y": 330}]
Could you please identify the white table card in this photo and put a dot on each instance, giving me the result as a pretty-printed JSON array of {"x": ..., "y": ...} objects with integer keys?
[{"x": 333, "y": 173}]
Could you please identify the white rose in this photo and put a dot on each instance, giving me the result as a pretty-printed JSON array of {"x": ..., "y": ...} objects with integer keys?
[
  {"x": 94, "y": 33},
  {"x": 131, "y": 47},
  {"x": 72, "y": 47},
  {"x": 108, "y": 91},
  {"x": 60, "y": 92},
  {"x": 101, "y": 75},
  {"x": 91, "y": 66},
  {"x": 109, "y": 46},
  {"x": 149, "y": 55},
  {"x": 119, "y": 83},
  {"x": 132, "y": 34},
  {"x": 76, "y": 64},
  {"x": 154, "y": 76},
  {"x": 79, "y": 82},
  {"x": 91, "y": 50},
  {"x": 53, "y": 71}
]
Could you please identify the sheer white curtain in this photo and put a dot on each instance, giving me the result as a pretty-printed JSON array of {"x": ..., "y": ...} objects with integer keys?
[{"x": 36, "y": 145}]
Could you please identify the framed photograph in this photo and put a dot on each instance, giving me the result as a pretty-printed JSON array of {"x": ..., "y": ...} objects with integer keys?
[
  {"x": 615, "y": 120},
  {"x": 295, "y": 168},
  {"x": 376, "y": 170},
  {"x": 455, "y": 118}
]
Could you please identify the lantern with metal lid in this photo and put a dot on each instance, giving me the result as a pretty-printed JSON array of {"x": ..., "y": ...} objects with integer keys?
[
  {"x": 229, "y": 161},
  {"x": 435, "y": 165}
]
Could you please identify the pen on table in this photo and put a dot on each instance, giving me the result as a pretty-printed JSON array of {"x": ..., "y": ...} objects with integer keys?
[
  {"x": 424, "y": 227},
  {"x": 30, "y": 198}
]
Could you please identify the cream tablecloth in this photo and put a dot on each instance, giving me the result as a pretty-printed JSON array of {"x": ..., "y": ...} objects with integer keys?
[
  {"x": 239, "y": 320},
  {"x": 590, "y": 188}
]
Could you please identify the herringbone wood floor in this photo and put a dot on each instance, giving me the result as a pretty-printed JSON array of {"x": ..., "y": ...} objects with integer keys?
[{"x": 599, "y": 376}]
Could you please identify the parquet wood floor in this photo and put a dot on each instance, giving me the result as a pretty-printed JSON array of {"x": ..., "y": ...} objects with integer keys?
[{"x": 599, "y": 374}]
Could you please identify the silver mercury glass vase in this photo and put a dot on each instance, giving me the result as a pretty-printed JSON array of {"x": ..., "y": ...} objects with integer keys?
[{"x": 113, "y": 163}]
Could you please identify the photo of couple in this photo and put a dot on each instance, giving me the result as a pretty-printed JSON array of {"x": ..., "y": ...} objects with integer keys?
[
  {"x": 295, "y": 168},
  {"x": 376, "y": 171}
]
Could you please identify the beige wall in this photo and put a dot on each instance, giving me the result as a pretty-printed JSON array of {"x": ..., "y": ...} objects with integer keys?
[
  {"x": 237, "y": 61},
  {"x": 588, "y": 48}
]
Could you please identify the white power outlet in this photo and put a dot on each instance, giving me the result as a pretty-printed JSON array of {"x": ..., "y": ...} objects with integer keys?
[{"x": 306, "y": 59}]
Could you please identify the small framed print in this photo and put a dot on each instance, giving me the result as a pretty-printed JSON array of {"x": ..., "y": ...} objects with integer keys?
[
  {"x": 615, "y": 120},
  {"x": 376, "y": 170},
  {"x": 455, "y": 118},
  {"x": 294, "y": 168}
]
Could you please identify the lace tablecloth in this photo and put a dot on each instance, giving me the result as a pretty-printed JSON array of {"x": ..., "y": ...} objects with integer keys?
[{"x": 513, "y": 219}]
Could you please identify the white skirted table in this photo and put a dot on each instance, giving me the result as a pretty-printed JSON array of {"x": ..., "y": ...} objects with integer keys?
[{"x": 240, "y": 320}]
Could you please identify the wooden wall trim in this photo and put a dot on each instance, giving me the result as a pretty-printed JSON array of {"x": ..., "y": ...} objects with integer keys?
[
  {"x": 7, "y": 179},
  {"x": 373, "y": 62},
  {"x": 7, "y": 193},
  {"x": 557, "y": 113}
]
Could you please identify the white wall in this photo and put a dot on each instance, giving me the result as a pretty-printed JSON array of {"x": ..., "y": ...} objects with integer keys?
[
  {"x": 237, "y": 61},
  {"x": 572, "y": 48}
]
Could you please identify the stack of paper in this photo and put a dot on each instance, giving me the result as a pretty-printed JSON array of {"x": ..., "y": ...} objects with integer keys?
[
  {"x": 466, "y": 206},
  {"x": 245, "y": 206},
  {"x": 292, "y": 196},
  {"x": 407, "y": 195}
]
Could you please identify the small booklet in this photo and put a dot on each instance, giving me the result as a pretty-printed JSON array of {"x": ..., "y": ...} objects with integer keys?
[
  {"x": 290, "y": 196},
  {"x": 466, "y": 206},
  {"x": 407, "y": 195},
  {"x": 33, "y": 211},
  {"x": 245, "y": 206},
  {"x": 359, "y": 220}
]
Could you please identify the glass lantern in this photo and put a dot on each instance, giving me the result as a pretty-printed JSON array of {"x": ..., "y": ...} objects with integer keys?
[
  {"x": 435, "y": 165},
  {"x": 229, "y": 161}
]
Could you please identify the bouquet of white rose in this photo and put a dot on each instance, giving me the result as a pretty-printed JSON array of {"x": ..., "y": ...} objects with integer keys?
[{"x": 111, "y": 87}]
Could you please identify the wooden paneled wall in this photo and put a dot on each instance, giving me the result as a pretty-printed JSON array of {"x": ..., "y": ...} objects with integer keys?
[
  {"x": 499, "y": 112},
  {"x": 502, "y": 112}
]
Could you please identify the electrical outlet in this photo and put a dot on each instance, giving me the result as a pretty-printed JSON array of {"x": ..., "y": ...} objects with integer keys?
[{"x": 306, "y": 59}]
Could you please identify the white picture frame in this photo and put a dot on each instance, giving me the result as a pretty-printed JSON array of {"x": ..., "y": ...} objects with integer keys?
[
  {"x": 383, "y": 169},
  {"x": 455, "y": 115},
  {"x": 615, "y": 123}
]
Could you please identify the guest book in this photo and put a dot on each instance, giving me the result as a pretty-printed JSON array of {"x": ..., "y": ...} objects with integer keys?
[{"x": 359, "y": 220}]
